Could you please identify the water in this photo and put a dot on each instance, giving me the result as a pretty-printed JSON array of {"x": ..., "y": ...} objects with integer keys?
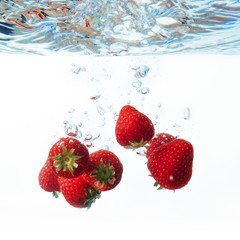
[
  {"x": 195, "y": 97},
  {"x": 111, "y": 27}
]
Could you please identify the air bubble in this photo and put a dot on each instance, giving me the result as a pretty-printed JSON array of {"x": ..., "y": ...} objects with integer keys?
[
  {"x": 79, "y": 134},
  {"x": 88, "y": 137},
  {"x": 111, "y": 107},
  {"x": 141, "y": 71},
  {"x": 77, "y": 69},
  {"x": 101, "y": 110},
  {"x": 186, "y": 113},
  {"x": 105, "y": 147},
  {"x": 159, "y": 105},
  {"x": 144, "y": 90},
  {"x": 102, "y": 124},
  {"x": 83, "y": 69},
  {"x": 89, "y": 144},
  {"x": 115, "y": 116},
  {"x": 95, "y": 97},
  {"x": 71, "y": 110},
  {"x": 141, "y": 152},
  {"x": 137, "y": 84},
  {"x": 71, "y": 130},
  {"x": 97, "y": 136},
  {"x": 176, "y": 125}
]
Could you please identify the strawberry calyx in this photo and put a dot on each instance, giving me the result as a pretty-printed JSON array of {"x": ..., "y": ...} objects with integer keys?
[
  {"x": 92, "y": 195},
  {"x": 55, "y": 194},
  {"x": 158, "y": 186},
  {"x": 104, "y": 174},
  {"x": 66, "y": 160},
  {"x": 136, "y": 144}
]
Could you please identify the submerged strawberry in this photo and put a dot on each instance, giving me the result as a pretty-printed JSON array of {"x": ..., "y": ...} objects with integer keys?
[
  {"x": 77, "y": 192},
  {"x": 68, "y": 157},
  {"x": 48, "y": 180},
  {"x": 104, "y": 171},
  {"x": 133, "y": 128},
  {"x": 171, "y": 164},
  {"x": 158, "y": 140}
]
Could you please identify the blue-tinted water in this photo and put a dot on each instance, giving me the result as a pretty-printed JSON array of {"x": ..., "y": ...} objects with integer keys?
[{"x": 112, "y": 27}]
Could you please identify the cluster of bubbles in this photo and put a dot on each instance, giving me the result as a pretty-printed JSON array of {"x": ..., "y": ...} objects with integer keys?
[
  {"x": 93, "y": 136},
  {"x": 77, "y": 131},
  {"x": 140, "y": 74}
]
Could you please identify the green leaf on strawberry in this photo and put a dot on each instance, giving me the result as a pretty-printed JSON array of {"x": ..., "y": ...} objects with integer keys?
[
  {"x": 77, "y": 192},
  {"x": 104, "y": 171},
  {"x": 66, "y": 160},
  {"x": 68, "y": 157}
]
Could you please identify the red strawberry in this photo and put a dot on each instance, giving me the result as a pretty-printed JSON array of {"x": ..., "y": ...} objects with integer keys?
[
  {"x": 171, "y": 164},
  {"x": 104, "y": 171},
  {"x": 48, "y": 180},
  {"x": 68, "y": 157},
  {"x": 133, "y": 128},
  {"x": 77, "y": 192},
  {"x": 158, "y": 140}
]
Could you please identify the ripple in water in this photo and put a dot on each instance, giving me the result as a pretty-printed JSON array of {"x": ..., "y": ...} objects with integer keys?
[{"x": 112, "y": 27}]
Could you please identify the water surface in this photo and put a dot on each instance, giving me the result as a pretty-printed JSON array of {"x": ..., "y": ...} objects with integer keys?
[{"x": 113, "y": 27}]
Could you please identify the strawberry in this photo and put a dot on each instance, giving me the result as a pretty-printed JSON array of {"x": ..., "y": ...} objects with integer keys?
[
  {"x": 104, "y": 171},
  {"x": 68, "y": 157},
  {"x": 158, "y": 140},
  {"x": 171, "y": 164},
  {"x": 48, "y": 181},
  {"x": 133, "y": 128},
  {"x": 77, "y": 192}
]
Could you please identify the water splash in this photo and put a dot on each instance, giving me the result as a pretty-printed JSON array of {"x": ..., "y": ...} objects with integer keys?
[{"x": 119, "y": 27}]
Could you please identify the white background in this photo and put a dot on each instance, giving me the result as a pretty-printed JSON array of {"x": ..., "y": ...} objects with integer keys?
[{"x": 36, "y": 93}]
